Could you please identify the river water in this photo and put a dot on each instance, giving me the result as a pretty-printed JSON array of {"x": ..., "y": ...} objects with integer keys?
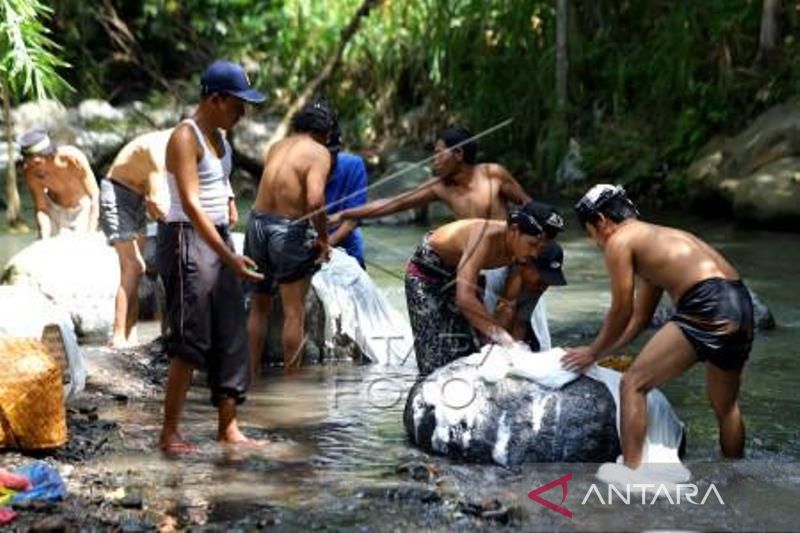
[{"x": 336, "y": 434}]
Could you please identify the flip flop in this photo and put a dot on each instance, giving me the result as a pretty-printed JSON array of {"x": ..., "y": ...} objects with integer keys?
[{"x": 179, "y": 448}]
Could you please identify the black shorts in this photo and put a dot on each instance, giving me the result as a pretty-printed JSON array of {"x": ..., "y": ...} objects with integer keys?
[
  {"x": 205, "y": 309},
  {"x": 284, "y": 249},
  {"x": 716, "y": 315},
  {"x": 123, "y": 215}
]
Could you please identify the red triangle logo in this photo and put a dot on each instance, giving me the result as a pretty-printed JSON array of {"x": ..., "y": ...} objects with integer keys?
[{"x": 562, "y": 482}]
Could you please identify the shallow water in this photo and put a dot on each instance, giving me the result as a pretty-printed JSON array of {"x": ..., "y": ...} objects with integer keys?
[{"x": 336, "y": 432}]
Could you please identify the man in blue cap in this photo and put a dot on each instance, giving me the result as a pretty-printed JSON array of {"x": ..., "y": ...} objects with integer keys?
[{"x": 197, "y": 262}]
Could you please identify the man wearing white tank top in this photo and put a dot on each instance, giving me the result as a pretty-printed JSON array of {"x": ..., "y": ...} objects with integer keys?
[{"x": 201, "y": 272}]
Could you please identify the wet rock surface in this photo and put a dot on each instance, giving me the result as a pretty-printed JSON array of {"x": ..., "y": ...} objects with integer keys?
[{"x": 455, "y": 413}]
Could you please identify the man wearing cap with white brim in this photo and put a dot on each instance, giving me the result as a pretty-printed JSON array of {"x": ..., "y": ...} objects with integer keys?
[
  {"x": 196, "y": 260},
  {"x": 61, "y": 183}
]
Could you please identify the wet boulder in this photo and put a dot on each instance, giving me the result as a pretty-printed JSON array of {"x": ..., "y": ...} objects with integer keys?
[
  {"x": 754, "y": 174},
  {"x": 456, "y": 412},
  {"x": 79, "y": 273}
]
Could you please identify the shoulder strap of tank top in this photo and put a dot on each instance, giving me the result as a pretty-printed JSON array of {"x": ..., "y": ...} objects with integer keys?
[{"x": 199, "y": 134}]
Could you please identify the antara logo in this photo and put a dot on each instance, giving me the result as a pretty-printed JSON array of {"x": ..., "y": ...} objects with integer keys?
[
  {"x": 686, "y": 492},
  {"x": 562, "y": 482}
]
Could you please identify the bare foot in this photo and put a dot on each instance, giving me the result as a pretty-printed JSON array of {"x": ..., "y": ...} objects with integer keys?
[
  {"x": 118, "y": 343},
  {"x": 234, "y": 437},
  {"x": 175, "y": 444}
]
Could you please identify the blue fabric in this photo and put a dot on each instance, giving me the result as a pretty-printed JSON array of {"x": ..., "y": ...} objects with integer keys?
[
  {"x": 347, "y": 187},
  {"x": 46, "y": 484}
]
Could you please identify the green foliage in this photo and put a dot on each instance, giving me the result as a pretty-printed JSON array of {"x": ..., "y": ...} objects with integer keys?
[
  {"x": 650, "y": 81},
  {"x": 28, "y": 60}
]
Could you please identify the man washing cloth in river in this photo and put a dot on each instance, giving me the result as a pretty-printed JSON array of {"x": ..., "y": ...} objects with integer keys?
[
  {"x": 127, "y": 195},
  {"x": 469, "y": 189},
  {"x": 713, "y": 320},
  {"x": 442, "y": 278},
  {"x": 287, "y": 232},
  {"x": 61, "y": 183},
  {"x": 197, "y": 261}
]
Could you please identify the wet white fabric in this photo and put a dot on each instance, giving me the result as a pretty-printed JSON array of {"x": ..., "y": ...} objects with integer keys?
[
  {"x": 354, "y": 306},
  {"x": 664, "y": 429},
  {"x": 25, "y": 312},
  {"x": 495, "y": 284},
  {"x": 519, "y": 361}
]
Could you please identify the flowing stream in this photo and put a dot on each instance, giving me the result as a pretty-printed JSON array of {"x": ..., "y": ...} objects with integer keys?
[{"x": 336, "y": 433}]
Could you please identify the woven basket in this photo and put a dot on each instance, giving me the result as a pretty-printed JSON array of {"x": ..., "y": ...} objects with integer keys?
[{"x": 32, "y": 414}]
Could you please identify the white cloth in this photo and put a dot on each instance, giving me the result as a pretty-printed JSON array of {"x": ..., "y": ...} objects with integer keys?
[
  {"x": 25, "y": 312},
  {"x": 64, "y": 219},
  {"x": 354, "y": 306},
  {"x": 664, "y": 429}
]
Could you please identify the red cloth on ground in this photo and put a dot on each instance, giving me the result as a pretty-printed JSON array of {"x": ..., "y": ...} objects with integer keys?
[
  {"x": 14, "y": 481},
  {"x": 7, "y": 515}
]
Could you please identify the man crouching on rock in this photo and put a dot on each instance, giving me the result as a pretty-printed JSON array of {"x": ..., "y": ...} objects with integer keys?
[
  {"x": 287, "y": 232},
  {"x": 713, "y": 320},
  {"x": 197, "y": 263},
  {"x": 442, "y": 294}
]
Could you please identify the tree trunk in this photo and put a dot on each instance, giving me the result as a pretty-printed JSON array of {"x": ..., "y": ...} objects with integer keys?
[
  {"x": 13, "y": 214},
  {"x": 324, "y": 74},
  {"x": 562, "y": 61},
  {"x": 769, "y": 34}
]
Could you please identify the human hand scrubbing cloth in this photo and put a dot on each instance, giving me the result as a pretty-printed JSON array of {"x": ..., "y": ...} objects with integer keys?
[{"x": 664, "y": 429}]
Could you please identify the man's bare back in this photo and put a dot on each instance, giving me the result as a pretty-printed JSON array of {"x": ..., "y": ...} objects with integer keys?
[
  {"x": 64, "y": 178},
  {"x": 283, "y": 187},
  {"x": 453, "y": 239},
  {"x": 668, "y": 258},
  {"x": 142, "y": 161}
]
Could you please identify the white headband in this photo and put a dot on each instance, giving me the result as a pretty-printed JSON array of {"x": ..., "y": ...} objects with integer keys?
[{"x": 38, "y": 147}]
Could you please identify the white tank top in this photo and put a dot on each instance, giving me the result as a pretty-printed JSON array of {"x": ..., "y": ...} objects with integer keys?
[{"x": 214, "y": 187}]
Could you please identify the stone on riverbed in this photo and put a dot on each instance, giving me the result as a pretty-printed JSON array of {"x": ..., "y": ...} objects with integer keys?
[
  {"x": 456, "y": 413},
  {"x": 79, "y": 273}
]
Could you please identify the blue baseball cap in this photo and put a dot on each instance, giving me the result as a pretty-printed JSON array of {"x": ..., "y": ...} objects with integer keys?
[{"x": 227, "y": 77}]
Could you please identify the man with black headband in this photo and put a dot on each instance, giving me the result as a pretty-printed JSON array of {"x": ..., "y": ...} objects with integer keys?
[
  {"x": 62, "y": 185},
  {"x": 442, "y": 276},
  {"x": 713, "y": 321},
  {"x": 287, "y": 232}
]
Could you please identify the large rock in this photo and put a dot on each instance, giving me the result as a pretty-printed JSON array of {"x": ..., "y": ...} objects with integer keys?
[
  {"x": 755, "y": 175},
  {"x": 455, "y": 412},
  {"x": 79, "y": 273}
]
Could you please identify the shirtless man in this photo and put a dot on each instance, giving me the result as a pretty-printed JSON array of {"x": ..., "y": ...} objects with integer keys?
[
  {"x": 127, "y": 195},
  {"x": 285, "y": 245},
  {"x": 441, "y": 279},
  {"x": 470, "y": 190},
  {"x": 713, "y": 319},
  {"x": 197, "y": 261},
  {"x": 524, "y": 287},
  {"x": 62, "y": 185}
]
